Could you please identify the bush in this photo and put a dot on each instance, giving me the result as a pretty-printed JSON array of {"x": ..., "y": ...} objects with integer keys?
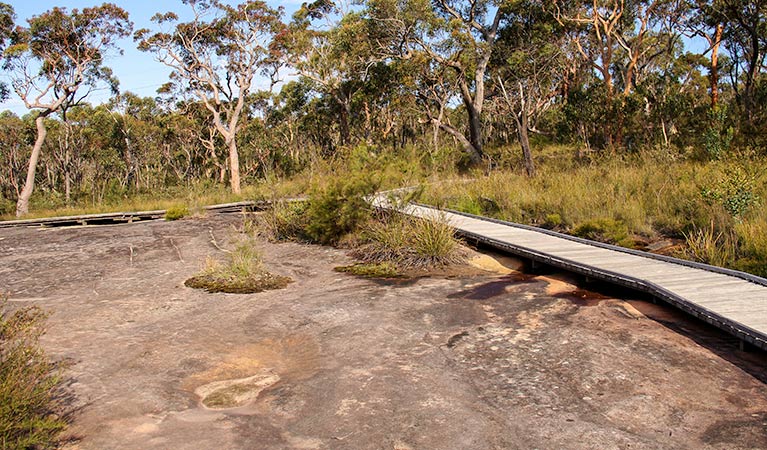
[
  {"x": 718, "y": 136},
  {"x": 242, "y": 273},
  {"x": 753, "y": 247},
  {"x": 30, "y": 409},
  {"x": 339, "y": 207},
  {"x": 7, "y": 206},
  {"x": 735, "y": 191},
  {"x": 176, "y": 212},
  {"x": 553, "y": 221}
]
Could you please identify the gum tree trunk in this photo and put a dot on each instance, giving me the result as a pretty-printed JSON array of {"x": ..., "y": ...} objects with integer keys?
[{"x": 22, "y": 206}]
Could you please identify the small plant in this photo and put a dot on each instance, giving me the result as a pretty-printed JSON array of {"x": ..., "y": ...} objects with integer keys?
[
  {"x": 176, "y": 212},
  {"x": 30, "y": 409},
  {"x": 242, "y": 273},
  {"x": 284, "y": 221},
  {"x": 708, "y": 246},
  {"x": 553, "y": 221},
  {"x": 606, "y": 230},
  {"x": 735, "y": 192},
  {"x": 753, "y": 247},
  {"x": 7, "y": 206},
  {"x": 718, "y": 136}
]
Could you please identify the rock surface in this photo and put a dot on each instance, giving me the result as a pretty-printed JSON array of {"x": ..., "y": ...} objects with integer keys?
[{"x": 337, "y": 362}]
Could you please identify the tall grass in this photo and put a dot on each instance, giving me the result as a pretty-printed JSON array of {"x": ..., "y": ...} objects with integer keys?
[
  {"x": 408, "y": 243},
  {"x": 632, "y": 201}
]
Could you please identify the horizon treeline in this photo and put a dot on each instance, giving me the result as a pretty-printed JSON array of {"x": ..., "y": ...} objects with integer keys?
[{"x": 456, "y": 83}]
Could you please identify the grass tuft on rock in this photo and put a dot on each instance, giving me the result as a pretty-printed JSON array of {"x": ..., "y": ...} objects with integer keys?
[
  {"x": 242, "y": 273},
  {"x": 284, "y": 221},
  {"x": 409, "y": 243}
]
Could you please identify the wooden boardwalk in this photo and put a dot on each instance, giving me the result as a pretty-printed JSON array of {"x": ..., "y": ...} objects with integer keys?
[
  {"x": 128, "y": 217},
  {"x": 733, "y": 301}
]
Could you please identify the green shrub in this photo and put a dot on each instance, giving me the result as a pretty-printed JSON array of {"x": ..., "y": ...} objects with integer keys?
[
  {"x": 736, "y": 192},
  {"x": 242, "y": 273},
  {"x": 752, "y": 238},
  {"x": 606, "y": 230},
  {"x": 176, "y": 212},
  {"x": 30, "y": 409},
  {"x": 468, "y": 205},
  {"x": 553, "y": 221},
  {"x": 7, "y": 206},
  {"x": 718, "y": 136},
  {"x": 339, "y": 207}
]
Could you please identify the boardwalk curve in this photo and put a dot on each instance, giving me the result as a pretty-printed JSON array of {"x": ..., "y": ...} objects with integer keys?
[{"x": 733, "y": 301}]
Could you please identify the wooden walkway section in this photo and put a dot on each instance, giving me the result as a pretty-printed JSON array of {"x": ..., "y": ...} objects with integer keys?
[
  {"x": 733, "y": 301},
  {"x": 128, "y": 217}
]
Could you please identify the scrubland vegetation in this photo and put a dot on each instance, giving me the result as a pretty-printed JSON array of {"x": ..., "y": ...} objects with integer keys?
[
  {"x": 626, "y": 122},
  {"x": 629, "y": 122},
  {"x": 31, "y": 407}
]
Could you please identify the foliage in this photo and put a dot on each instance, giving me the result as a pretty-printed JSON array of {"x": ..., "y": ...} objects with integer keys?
[
  {"x": 718, "y": 135},
  {"x": 338, "y": 206},
  {"x": 216, "y": 57},
  {"x": 283, "y": 221},
  {"x": 60, "y": 55},
  {"x": 707, "y": 245},
  {"x": 633, "y": 201},
  {"x": 735, "y": 191},
  {"x": 242, "y": 273},
  {"x": 176, "y": 212},
  {"x": 30, "y": 407},
  {"x": 752, "y": 246}
]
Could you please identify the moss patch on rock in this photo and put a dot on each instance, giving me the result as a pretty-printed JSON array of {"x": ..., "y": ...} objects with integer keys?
[
  {"x": 232, "y": 285},
  {"x": 379, "y": 270}
]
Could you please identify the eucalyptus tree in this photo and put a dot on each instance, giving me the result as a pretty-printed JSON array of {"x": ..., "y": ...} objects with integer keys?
[
  {"x": 216, "y": 57},
  {"x": 332, "y": 48},
  {"x": 704, "y": 19},
  {"x": 7, "y": 19},
  {"x": 531, "y": 69},
  {"x": 57, "y": 61},
  {"x": 457, "y": 35},
  {"x": 745, "y": 38},
  {"x": 619, "y": 39},
  {"x": 14, "y": 148}
]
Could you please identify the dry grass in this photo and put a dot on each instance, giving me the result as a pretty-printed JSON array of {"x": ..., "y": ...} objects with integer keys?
[
  {"x": 408, "y": 243},
  {"x": 633, "y": 200}
]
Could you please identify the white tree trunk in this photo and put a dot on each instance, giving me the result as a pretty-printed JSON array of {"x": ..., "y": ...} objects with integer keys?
[
  {"x": 234, "y": 166},
  {"x": 22, "y": 206}
]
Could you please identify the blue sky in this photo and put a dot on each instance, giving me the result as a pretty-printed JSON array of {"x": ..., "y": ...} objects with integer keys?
[{"x": 138, "y": 72}]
